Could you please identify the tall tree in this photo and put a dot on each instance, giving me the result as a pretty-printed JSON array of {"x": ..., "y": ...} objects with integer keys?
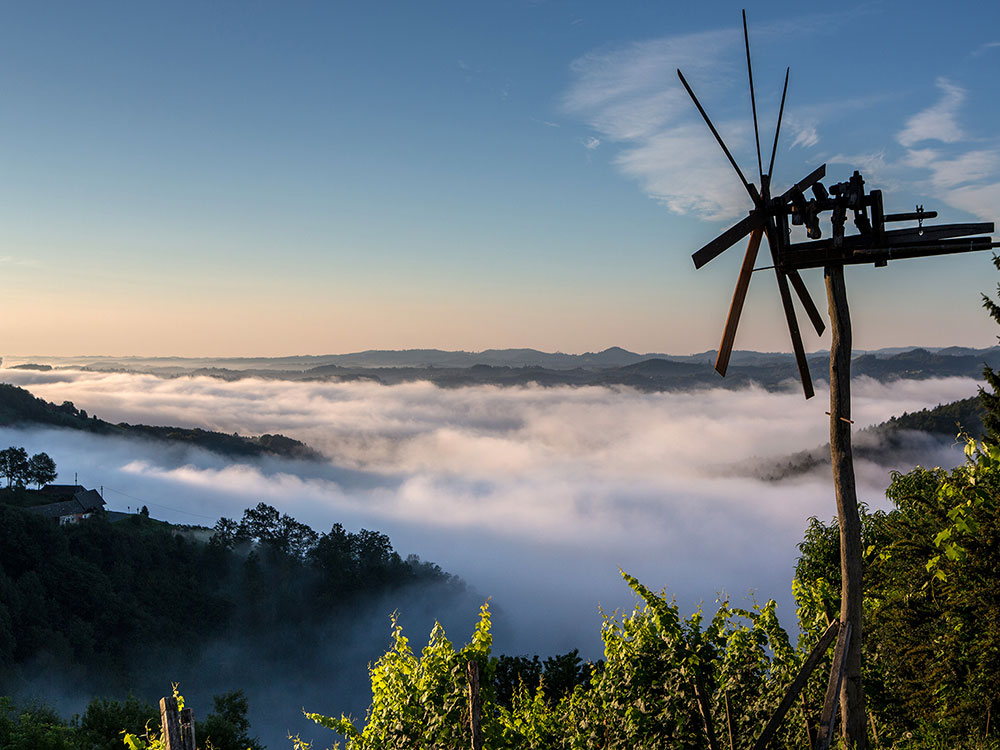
[
  {"x": 41, "y": 469},
  {"x": 991, "y": 398},
  {"x": 14, "y": 465}
]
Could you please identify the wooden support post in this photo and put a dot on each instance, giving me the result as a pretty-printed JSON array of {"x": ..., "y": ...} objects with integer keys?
[
  {"x": 187, "y": 729},
  {"x": 810, "y": 725},
  {"x": 852, "y": 696},
  {"x": 828, "y": 718},
  {"x": 729, "y": 722},
  {"x": 171, "y": 724},
  {"x": 706, "y": 711},
  {"x": 475, "y": 706},
  {"x": 797, "y": 684}
]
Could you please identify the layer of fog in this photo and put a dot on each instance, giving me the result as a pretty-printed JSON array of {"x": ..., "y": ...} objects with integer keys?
[
  {"x": 532, "y": 494},
  {"x": 535, "y": 496}
]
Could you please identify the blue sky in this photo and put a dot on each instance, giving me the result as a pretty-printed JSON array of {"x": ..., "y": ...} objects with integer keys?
[{"x": 275, "y": 178}]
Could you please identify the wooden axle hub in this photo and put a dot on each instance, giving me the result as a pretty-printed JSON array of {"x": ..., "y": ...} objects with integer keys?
[{"x": 873, "y": 243}]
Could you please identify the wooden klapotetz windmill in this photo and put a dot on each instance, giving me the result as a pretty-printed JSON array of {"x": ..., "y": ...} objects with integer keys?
[{"x": 771, "y": 217}]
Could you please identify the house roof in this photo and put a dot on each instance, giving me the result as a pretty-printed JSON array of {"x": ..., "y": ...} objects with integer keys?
[
  {"x": 67, "y": 490},
  {"x": 57, "y": 510},
  {"x": 80, "y": 500}
]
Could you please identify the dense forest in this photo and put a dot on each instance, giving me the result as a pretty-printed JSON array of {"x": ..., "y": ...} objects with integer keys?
[
  {"x": 92, "y": 599},
  {"x": 96, "y": 603}
]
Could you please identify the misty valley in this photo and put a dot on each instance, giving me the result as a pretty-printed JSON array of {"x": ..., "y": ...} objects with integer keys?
[{"x": 271, "y": 530}]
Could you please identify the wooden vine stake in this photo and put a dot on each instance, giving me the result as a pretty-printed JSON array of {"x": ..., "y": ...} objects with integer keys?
[
  {"x": 705, "y": 709},
  {"x": 178, "y": 726},
  {"x": 475, "y": 706}
]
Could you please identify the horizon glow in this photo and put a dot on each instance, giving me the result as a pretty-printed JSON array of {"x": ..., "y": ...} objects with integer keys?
[{"x": 229, "y": 180}]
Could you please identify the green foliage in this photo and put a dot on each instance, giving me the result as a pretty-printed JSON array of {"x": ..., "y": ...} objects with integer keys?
[
  {"x": 932, "y": 634},
  {"x": 14, "y": 466},
  {"x": 112, "y": 725},
  {"x": 991, "y": 398},
  {"x": 963, "y": 416},
  {"x": 643, "y": 695},
  {"x": 41, "y": 470},
  {"x": 227, "y": 726},
  {"x": 423, "y": 701},
  {"x": 33, "y": 728},
  {"x": 103, "y": 723},
  {"x": 19, "y": 470}
]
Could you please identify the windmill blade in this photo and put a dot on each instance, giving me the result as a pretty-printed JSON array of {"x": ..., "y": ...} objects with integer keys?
[
  {"x": 739, "y": 297},
  {"x": 805, "y": 183},
  {"x": 727, "y": 239},
  {"x": 807, "y": 303},
  {"x": 750, "y": 188},
  {"x": 781, "y": 111},
  {"x": 793, "y": 331},
  {"x": 753, "y": 98}
]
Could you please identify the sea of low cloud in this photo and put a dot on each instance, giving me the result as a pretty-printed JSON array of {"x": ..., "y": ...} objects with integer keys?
[{"x": 535, "y": 496}]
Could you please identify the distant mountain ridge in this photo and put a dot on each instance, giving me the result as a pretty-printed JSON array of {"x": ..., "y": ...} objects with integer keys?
[{"x": 612, "y": 357}]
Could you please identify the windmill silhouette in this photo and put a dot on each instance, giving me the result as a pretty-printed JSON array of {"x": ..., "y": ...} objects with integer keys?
[{"x": 772, "y": 217}]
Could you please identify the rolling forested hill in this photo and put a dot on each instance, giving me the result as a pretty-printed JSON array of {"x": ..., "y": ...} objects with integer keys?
[{"x": 19, "y": 407}]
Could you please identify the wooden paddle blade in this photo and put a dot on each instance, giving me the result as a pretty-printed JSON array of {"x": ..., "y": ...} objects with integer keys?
[
  {"x": 807, "y": 303},
  {"x": 781, "y": 111},
  {"x": 793, "y": 331},
  {"x": 739, "y": 297},
  {"x": 753, "y": 98},
  {"x": 805, "y": 183},
  {"x": 718, "y": 137},
  {"x": 727, "y": 239}
]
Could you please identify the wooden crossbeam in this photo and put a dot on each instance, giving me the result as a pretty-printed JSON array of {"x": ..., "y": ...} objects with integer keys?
[
  {"x": 892, "y": 238},
  {"x": 856, "y": 256}
]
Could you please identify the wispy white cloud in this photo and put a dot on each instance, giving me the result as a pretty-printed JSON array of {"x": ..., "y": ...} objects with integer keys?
[
  {"x": 982, "y": 201},
  {"x": 631, "y": 96},
  {"x": 970, "y": 167},
  {"x": 805, "y": 134},
  {"x": 960, "y": 169},
  {"x": 681, "y": 169},
  {"x": 805, "y": 120},
  {"x": 921, "y": 157},
  {"x": 982, "y": 49},
  {"x": 938, "y": 122},
  {"x": 591, "y": 143}
]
